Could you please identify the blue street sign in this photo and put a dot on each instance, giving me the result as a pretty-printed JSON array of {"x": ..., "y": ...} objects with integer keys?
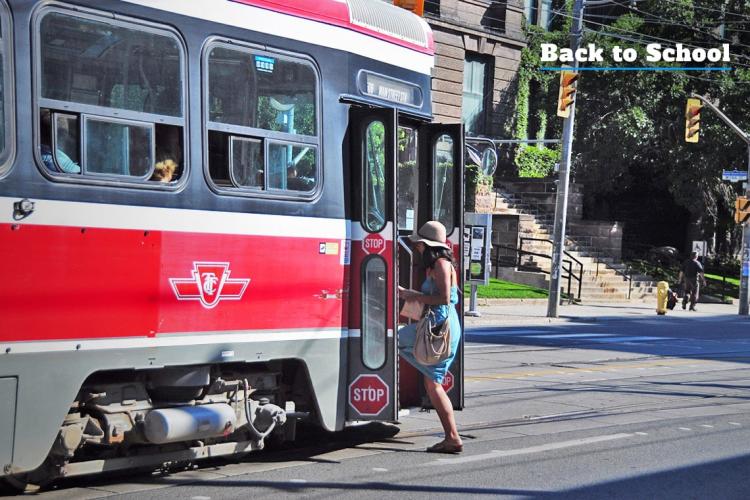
[{"x": 734, "y": 175}]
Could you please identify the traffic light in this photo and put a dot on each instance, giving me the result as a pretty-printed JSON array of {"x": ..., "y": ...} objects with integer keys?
[
  {"x": 692, "y": 119},
  {"x": 416, "y": 6},
  {"x": 741, "y": 209},
  {"x": 566, "y": 96}
]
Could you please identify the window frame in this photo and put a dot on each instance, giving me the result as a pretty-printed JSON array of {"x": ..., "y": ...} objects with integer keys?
[
  {"x": 455, "y": 210},
  {"x": 364, "y": 332},
  {"x": 265, "y": 136},
  {"x": 104, "y": 113},
  {"x": 230, "y": 155},
  {"x": 85, "y": 119},
  {"x": 366, "y": 184},
  {"x": 7, "y": 155}
]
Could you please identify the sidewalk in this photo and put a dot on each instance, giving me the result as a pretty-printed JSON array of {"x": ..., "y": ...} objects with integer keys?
[{"x": 535, "y": 312}]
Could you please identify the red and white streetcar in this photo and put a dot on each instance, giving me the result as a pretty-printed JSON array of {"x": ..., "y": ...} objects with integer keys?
[{"x": 203, "y": 207}]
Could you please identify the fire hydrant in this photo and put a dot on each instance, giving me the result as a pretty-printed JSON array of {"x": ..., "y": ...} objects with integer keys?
[{"x": 662, "y": 288}]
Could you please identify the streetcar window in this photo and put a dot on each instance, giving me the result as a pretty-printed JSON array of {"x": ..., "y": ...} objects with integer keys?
[
  {"x": 88, "y": 61},
  {"x": 111, "y": 102},
  {"x": 5, "y": 85},
  {"x": 374, "y": 321},
  {"x": 443, "y": 205},
  {"x": 66, "y": 155},
  {"x": 269, "y": 93},
  {"x": 247, "y": 162},
  {"x": 118, "y": 148},
  {"x": 262, "y": 122},
  {"x": 374, "y": 178},
  {"x": 291, "y": 167},
  {"x": 408, "y": 178}
]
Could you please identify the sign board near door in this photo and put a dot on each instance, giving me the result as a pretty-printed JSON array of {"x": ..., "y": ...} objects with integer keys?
[
  {"x": 700, "y": 247},
  {"x": 477, "y": 245}
]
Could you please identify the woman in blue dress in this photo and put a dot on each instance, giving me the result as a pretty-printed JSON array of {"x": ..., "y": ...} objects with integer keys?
[{"x": 439, "y": 292}]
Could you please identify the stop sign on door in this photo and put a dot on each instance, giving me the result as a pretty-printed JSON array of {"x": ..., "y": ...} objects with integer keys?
[
  {"x": 373, "y": 243},
  {"x": 447, "y": 382},
  {"x": 368, "y": 394}
]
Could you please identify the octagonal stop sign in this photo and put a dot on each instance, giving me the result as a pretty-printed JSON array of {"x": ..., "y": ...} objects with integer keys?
[
  {"x": 373, "y": 244},
  {"x": 448, "y": 382},
  {"x": 368, "y": 394}
]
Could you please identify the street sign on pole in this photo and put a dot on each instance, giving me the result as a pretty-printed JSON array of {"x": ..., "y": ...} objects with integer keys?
[{"x": 734, "y": 175}]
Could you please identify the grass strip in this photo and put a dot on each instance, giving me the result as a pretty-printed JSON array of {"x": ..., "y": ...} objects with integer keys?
[{"x": 500, "y": 289}]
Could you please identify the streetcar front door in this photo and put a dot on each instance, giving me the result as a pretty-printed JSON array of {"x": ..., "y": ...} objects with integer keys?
[
  {"x": 372, "y": 392},
  {"x": 430, "y": 187}
]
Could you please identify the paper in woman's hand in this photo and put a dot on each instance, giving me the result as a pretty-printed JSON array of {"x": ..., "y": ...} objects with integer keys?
[{"x": 412, "y": 309}]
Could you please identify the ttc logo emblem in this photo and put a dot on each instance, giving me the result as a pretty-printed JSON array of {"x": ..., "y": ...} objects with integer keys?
[{"x": 210, "y": 284}]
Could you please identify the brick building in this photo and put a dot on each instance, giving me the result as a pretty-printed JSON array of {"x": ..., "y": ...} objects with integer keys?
[{"x": 478, "y": 46}]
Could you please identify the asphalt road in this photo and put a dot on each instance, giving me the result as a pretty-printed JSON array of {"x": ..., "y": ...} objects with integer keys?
[{"x": 610, "y": 402}]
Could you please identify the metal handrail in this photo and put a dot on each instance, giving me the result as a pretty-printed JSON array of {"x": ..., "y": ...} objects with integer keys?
[
  {"x": 578, "y": 277},
  {"x": 517, "y": 260}
]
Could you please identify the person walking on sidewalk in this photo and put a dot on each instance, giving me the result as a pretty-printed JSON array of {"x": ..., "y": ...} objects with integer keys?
[{"x": 691, "y": 277}]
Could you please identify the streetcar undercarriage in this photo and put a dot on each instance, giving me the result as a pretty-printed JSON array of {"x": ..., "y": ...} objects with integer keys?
[{"x": 154, "y": 418}]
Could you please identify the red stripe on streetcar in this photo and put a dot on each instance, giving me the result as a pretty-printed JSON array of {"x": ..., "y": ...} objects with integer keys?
[{"x": 69, "y": 283}]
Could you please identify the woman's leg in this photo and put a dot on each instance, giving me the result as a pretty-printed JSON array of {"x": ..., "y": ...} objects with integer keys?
[{"x": 444, "y": 408}]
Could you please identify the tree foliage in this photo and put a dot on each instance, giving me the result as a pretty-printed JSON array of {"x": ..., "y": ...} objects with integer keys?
[{"x": 628, "y": 123}]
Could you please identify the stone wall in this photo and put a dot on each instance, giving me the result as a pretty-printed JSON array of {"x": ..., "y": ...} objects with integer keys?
[{"x": 606, "y": 237}]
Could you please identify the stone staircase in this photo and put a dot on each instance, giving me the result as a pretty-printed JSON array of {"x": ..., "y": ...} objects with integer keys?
[{"x": 596, "y": 245}]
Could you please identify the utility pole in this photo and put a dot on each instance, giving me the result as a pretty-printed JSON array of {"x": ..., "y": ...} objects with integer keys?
[
  {"x": 745, "y": 269},
  {"x": 563, "y": 181}
]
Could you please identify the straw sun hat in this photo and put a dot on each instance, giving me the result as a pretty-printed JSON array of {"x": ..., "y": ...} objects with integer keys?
[{"x": 432, "y": 233}]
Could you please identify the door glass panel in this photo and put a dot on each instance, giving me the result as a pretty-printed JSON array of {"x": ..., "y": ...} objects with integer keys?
[
  {"x": 3, "y": 118},
  {"x": 408, "y": 178},
  {"x": 247, "y": 162},
  {"x": 443, "y": 205},
  {"x": 118, "y": 148},
  {"x": 374, "y": 177},
  {"x": 374, "y": 295}
]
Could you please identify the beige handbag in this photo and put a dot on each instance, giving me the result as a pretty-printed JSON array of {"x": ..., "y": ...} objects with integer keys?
[{"x": 432, "y": 344}]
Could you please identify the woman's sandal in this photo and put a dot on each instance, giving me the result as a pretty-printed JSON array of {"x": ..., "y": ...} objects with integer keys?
[{"x": 443, "y": 447}]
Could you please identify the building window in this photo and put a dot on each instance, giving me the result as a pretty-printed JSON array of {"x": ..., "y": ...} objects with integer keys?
[
  {"x": 476, "y": 94},
  {"x": 545, "y": 14},
  {"x": 432, "y": 7},
  {"x": 262, "y": 125},
  {"x": 6, "y": 120},
  {"x": 538, "y": 12},
  {"x": 529, "y": 11},
  {"x": 111, "y": 99}
]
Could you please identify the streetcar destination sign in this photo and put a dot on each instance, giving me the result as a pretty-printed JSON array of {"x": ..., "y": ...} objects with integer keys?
[{"x": 734, "y": 175}]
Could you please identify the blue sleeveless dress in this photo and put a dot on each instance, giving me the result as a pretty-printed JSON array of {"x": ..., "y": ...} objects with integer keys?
[{"x": 445, "y": 312}]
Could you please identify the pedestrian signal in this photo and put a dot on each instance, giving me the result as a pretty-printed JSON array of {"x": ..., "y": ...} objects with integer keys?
[
  {"x": 741, "y": 210},
  {"x": 566, "y": 96},
  {"x": 692, "y": 119},
  {"x": 416, "y": 6}
]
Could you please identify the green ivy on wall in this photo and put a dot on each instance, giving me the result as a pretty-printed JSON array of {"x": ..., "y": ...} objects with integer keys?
[
  {"x": 536, "y": 162},
  {"x": 540, "y": 162}
]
